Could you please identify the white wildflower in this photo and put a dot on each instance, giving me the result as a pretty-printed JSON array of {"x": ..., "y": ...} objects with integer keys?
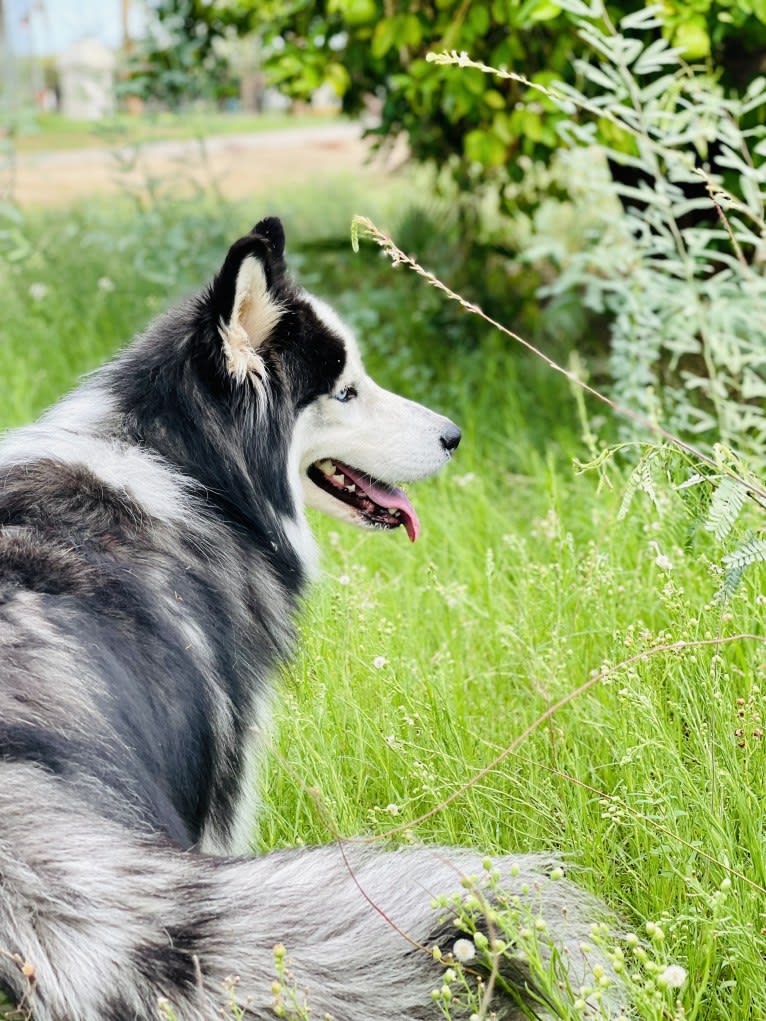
[
  {"x": 379, "y": 662},
  {"x": 38, "y": 291},
  {"x": 344, "y": 580},
  {"x": 664, "y": 563},
  {"x": 464, "y": 950},
  {"x": 392, "y": 809},
  {"x": 105, "y": 284},
  {"x": 673, "y": 977},
  {"x": 547, "y": 527},
  {"x": 464, "y": 480}
]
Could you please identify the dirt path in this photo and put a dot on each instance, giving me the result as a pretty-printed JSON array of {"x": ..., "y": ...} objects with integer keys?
[{"x": 240, "y": 165}]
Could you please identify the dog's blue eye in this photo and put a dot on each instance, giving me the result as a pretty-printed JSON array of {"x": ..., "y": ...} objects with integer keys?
[{"x": 345, "y": 394}]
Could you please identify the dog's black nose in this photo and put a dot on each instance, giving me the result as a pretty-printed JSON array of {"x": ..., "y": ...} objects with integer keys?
[{"x": 450, "y": 438}]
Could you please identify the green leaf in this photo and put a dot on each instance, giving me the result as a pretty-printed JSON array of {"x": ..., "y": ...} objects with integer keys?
[
  {"x": 338, "y": 77},
  {"x": 494, "y": 99},
  {"x": 530, "y": 125},
  {"x": 384, "y": 37},
  {"x": 478, "y": 19},
  {"x": 485, "y": 147},
  {"x": 692, "y": 38},
  {"x": 355, "y": 12},
  {"x": 410, "y": 31},
  {"x": 533, "y": 11}
]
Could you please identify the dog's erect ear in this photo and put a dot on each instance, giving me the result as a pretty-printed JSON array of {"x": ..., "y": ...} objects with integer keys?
[
  {"x": 245, "y": 297},
  {"x": 272, "y": 230}
]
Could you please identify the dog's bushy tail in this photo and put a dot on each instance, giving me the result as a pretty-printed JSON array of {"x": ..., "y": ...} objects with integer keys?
[{"x": 98, "y": 924}]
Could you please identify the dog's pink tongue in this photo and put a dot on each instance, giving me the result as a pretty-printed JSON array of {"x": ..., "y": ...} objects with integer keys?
[{"x": 387, "y": 497}]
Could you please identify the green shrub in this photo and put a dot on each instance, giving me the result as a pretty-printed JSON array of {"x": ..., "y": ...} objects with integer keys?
[{"x": 671, "y": 257}]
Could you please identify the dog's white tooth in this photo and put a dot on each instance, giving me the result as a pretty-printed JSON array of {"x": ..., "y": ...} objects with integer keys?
[
  {"x": 326, "y": 466},
  {"x": 338, "y": 478},
  {"x": 393, "y": 510},
  {"x": 351, "y": 488}
]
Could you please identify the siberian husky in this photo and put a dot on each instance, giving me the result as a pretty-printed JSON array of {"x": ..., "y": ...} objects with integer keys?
[{"x": 153, "y": 550}]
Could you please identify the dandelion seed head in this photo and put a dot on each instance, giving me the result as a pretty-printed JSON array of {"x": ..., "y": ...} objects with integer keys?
[{"x": 673, "y": 977}]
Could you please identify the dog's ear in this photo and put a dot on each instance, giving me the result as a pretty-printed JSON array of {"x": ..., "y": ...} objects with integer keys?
[
  {"x": 245, "y": 297},
  {"x": 272, "y": 230}
]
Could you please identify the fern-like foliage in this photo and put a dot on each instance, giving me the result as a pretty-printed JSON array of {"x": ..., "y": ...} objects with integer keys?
[
  {"x": 725, "y": 506},
  {"x": 751, "y": 551},
  {"x": 713, "y": 502},
  {"x": 641, "y": 481}
]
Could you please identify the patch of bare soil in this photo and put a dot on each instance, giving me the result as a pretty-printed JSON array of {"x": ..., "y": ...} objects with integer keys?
[{"x": 239, "y": 165}]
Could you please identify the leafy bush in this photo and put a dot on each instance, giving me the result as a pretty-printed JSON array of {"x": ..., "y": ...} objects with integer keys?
[
  {"x": 180, "y": 58},
  {"x": 673, "y": 256}
]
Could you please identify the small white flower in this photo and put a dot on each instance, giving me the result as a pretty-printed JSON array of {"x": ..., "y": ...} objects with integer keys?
[
  {"x": 38, "y": 291},
  {"x": 379, "y": 662},
  {"x": 547, "y": 527},
  {"x": 464, "y": 950},
  {"x": 392, "y": 809},
  {"x": 390, "y": 740},
  {"x": 105, "y": 284},
  {"x": 673, "y": 976},
  {"x": 344, "y": 580},
  {"x": 464, "y": 480},
  {"x": 664, "y": 563}
]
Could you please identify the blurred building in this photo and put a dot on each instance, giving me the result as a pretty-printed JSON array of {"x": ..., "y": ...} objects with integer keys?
[{"x": 86, "y": 76}]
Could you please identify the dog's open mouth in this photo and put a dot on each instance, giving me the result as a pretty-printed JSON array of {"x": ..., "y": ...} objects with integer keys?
[{"x": 379, "y": 504}]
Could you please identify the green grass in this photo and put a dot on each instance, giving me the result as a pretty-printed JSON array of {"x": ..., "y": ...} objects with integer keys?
[
  {"x": 47, "y": 132},
  {"x": 418, "y": 665}
]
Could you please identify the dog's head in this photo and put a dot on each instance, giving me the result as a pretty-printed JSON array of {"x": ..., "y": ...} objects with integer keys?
[{"x": 352, "y": 442}]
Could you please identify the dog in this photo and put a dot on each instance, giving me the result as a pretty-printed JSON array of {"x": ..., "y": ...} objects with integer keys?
[{"x": 154, "y": 548}]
